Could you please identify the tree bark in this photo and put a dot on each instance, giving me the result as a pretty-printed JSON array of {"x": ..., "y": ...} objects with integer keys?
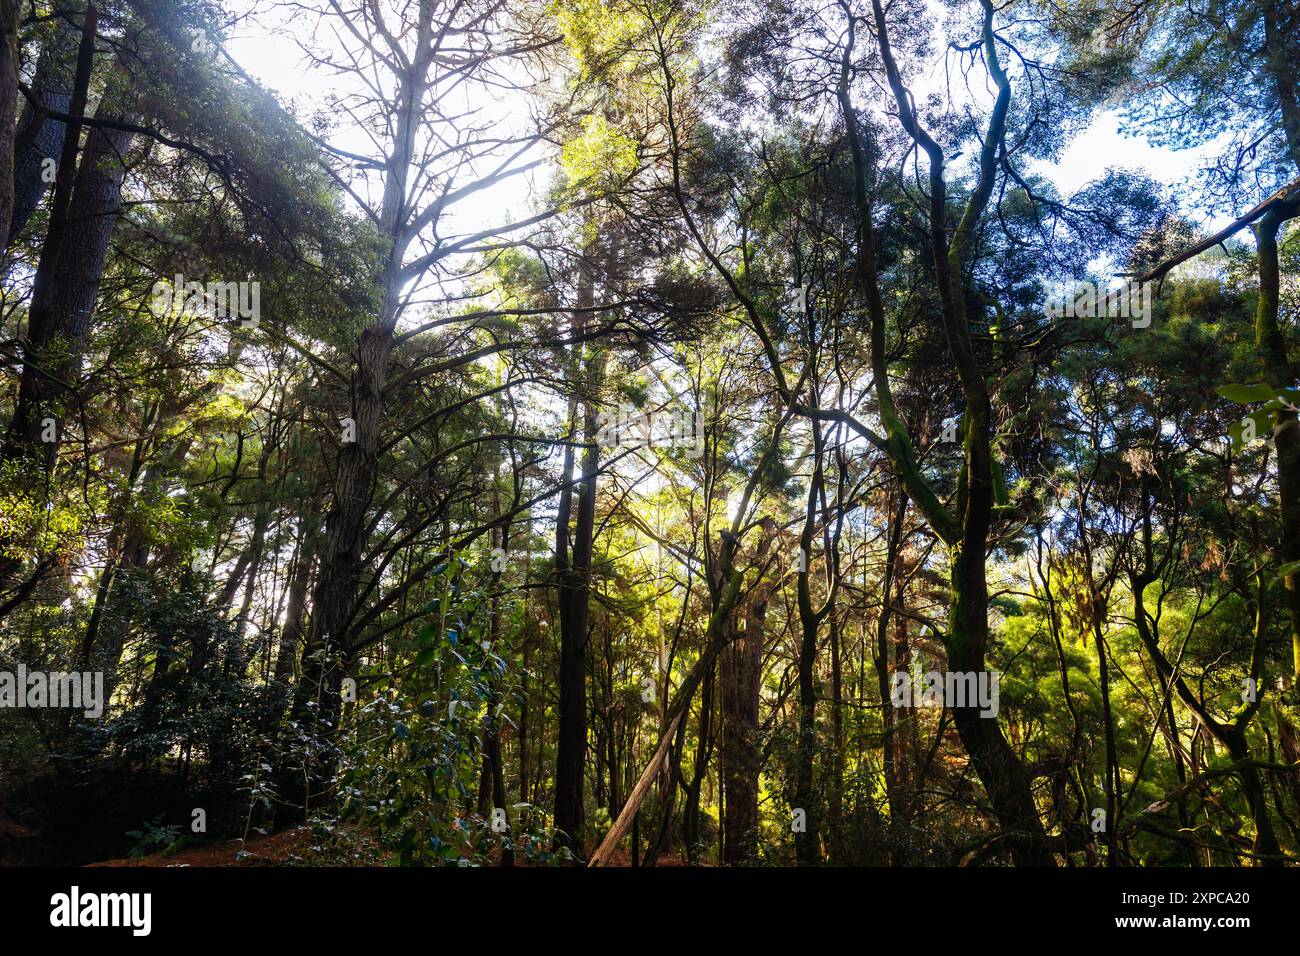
[
  {"x": 9, "y": 42},
  {"x": 49, "y": 315},
  {"x": 40, "y": 138},
  {"x": 575, "y": 598},
  {"x": 1270, "y": 346},
  {"x": 738, "y": 670},
  {"x": 296, "y": 611}
]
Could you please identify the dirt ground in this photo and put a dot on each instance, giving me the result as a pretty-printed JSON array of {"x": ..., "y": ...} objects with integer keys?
[{"x": 278, "y": 849}]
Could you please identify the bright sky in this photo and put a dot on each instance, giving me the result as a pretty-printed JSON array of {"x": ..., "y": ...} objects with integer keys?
[
  {"x": 1102, "y": 146},
  {"x": 276, "y": 61},
  {"x": 274, "y": 58}
]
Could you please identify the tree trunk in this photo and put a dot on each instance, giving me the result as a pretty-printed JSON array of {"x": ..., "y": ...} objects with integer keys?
[
  {"x": 703, "y": 745},
  {"x": 296, "y": 612},
  {"x": 40, "y": 138},
  {"x": 805, "y": 800},
  {"x": 54, "y": 289},
  {"x": 62, "y": 306},
  {"x": 9, "y": 12},
  {"x": 739, "y": 671},
  {"x": 1270, "y": 346},
  {"x": 327, "y": 657},
  {"x": 575, "y": 596},
  {"x": 893, "y": 741},
  {"x": 329, "y": 651}
]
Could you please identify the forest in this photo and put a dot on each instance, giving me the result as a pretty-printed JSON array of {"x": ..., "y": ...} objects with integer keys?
[{"x": 678, "y": 433}]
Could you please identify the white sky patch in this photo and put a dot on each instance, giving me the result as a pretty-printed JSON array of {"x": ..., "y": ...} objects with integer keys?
[
  {"x": 268, "y": 46},
  {"x": 268, "y": 51},
  {"x": 1102, "y": 146}
]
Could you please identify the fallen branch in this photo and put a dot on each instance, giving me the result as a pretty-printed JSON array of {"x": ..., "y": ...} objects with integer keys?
[{"x": 624, "y": 821}]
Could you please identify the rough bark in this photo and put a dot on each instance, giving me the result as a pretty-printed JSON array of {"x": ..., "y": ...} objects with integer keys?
[
  {"x": 1281, "y": 34},
  {"x": 575, "y": 600},
  {"x": 9, "y": 11},
  {"x": 739, "y": 673},
  {"x": 39, "y": 137},
  {"x": 296, "y": 610},
  {"x": 573, "y": 570},
  {"x": 1270, "y": 346},
  {"x": 48, "y": 318}
]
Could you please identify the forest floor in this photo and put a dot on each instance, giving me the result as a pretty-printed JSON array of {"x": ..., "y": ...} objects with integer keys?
[
  {"x": 286, "y": 848},
  {"x": 279, "y": 849}
]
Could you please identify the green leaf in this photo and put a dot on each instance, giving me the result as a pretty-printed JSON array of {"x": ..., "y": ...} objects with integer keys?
[
  {"x": 1289, "y": 569},
  {"x": 1247, "y": 393},
  {"x": 1255, "y": 425}
]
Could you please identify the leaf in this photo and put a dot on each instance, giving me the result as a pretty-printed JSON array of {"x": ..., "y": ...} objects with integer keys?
[
  {"x": 1256, "y": 425},
  {"x": 1258, "y": 392}
]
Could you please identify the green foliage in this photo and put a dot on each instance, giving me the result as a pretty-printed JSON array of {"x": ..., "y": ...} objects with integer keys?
[
  {"x": 412, "y": 753},
  {"x": 153, "y": 836}
]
